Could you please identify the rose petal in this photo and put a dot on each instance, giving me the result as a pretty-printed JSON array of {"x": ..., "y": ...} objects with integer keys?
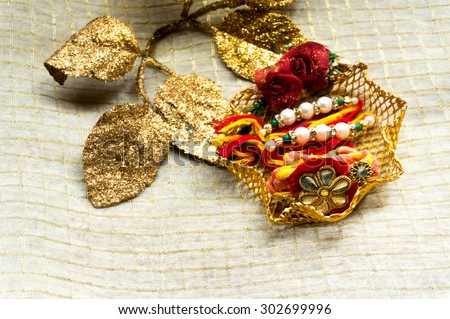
[
  {"x": 279, "y": 90},
  {"x": 310, "y": 63}
]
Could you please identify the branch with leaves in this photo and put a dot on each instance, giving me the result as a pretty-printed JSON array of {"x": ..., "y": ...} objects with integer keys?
[
  {"x": 125, "y": 148},
  {"x": 185, "y": 107}
]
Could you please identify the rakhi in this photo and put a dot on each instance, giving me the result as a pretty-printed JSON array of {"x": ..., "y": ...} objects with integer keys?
[
  {"x": 308, "y": 101},
  {"x": 321, "y": 133},
  {"x": 306, "y": 111}
]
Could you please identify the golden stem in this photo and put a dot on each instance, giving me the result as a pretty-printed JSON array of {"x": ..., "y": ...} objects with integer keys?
[
  {"x": 204, "y": 26},
  {"x": 171, "y": 28},
  {"x": 186, "y": 8}
]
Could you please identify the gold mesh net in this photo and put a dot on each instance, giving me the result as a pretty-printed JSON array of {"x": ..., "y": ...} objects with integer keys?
[{"x": 380, "y": 141}]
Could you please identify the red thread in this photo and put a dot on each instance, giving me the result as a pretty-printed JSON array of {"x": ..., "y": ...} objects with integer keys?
[
  {"x": 235, "y": 118},
  {"x": 226, "y": 150}
]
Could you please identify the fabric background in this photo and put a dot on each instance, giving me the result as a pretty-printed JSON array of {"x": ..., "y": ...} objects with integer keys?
[{"x": 197, "y": 232}]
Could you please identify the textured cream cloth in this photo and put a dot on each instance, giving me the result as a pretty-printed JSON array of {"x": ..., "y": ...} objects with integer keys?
[{"x": 197, "y": 232}]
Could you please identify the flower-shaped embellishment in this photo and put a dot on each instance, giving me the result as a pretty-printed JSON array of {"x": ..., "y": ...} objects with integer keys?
[
  {"x": 303, "y": 67},
  {"x": 323, "y": 190},
  {"x": 361, "y": 171}
]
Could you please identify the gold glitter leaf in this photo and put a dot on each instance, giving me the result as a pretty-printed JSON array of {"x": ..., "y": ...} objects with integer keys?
[
  {"x": 261, "y": 43},
  {"x": 191, "y": 104},
  {"x": 105, "y": 49},
  {"x": 242, "y": 57},
  {"x": 269, "y": 4},
  {"x": 271, "y": 31},
  {"x": 123, "y": 153}
]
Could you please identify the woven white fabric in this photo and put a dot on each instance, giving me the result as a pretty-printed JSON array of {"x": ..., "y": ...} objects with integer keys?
[{"x": 197, "y": 232}]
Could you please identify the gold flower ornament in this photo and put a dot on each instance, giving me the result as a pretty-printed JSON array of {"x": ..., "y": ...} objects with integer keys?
[{"x": 324, "y": 190}]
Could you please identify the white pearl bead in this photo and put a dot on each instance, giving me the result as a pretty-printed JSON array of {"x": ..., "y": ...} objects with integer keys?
[
  {"x": 325, "y": 104},
  {"x": 342, "y": 130},
  {"x": 355, "y": 101},
  {"x": 262, "y": 132},
  {"x": 370, "y": 120},
  {"x": 270, "y": 146},
  {"x": 344, "y": 61},
  {"x": 323, "y": 132},
  {"x": 307, "y": 110},
  {"x": 288, "y": 116},
  {"x": 302, "y": 134}
]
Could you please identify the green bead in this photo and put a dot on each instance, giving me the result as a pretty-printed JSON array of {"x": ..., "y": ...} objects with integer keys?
[
  {"x": 340, "y": 101},
  {"x": 286, "y": 138},
  {"x": 358, "y": 127},
  {"x": 274, "y": 123}
]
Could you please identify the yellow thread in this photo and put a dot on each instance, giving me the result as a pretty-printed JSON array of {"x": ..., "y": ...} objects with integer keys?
[
  {"x": 361, "y": 117},
  {"x": 256, "y": 143},
  {"x": 241, "y": 154},
  {"x": 224, "y": 139},
  {"x": 275, "y": 162},
  {"x": 285, "y": 171},
  {"x": 229, "y": 128},
  {"x": 368, "y": 159},
  {"x": 333, "y": 117}
]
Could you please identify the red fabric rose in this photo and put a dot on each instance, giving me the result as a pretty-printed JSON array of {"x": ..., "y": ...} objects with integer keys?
[
  {"x": 310, "y": 62},
  {"x": 303, "y": 67},
  {"x": 279, "y": 89}
]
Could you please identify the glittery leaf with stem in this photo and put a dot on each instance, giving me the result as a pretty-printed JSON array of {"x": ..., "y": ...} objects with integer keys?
[
  {"x": 123, "y": 152},
  {"x": 191, "y": 105},
  {"x": 105, "y": 49},
  {"x": 125, "y": 148},
  {"x": 261, "y": 43}
]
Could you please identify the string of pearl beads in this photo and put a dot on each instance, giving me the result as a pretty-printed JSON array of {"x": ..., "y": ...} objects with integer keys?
[
  {"x": 321, "y": 133},
  {"x": 306, "y": 111}
]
